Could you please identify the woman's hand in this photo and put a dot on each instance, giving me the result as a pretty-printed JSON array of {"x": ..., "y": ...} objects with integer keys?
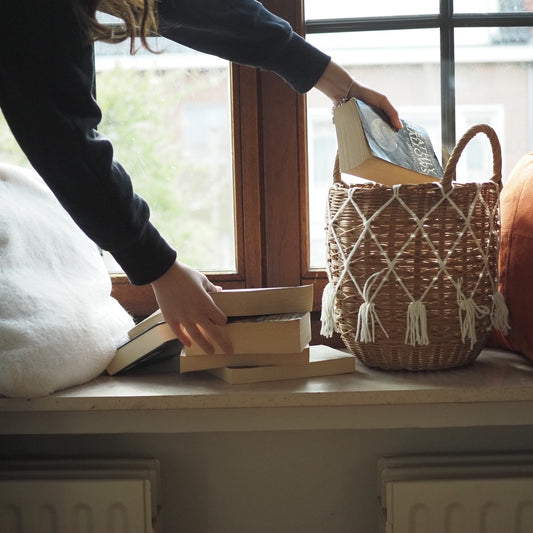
[
  {"x": 373, "y": 98},
  {"x": 338, "y": 85},
  {"x": 182, "y": 295}
]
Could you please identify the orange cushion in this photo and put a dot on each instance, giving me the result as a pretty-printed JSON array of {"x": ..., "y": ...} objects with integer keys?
[{"x": 516, "y": 258}]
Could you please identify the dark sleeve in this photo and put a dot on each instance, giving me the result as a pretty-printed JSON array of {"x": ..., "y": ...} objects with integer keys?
[
  {"x": 244, "y": 32},
  {"x": 46, "y": 81}
]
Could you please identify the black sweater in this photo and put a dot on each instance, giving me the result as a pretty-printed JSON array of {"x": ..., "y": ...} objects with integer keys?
[{"x": 46, "y": 82}]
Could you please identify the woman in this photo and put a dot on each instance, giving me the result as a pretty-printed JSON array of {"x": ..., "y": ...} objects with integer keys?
[{"x": 46, "y": 95}]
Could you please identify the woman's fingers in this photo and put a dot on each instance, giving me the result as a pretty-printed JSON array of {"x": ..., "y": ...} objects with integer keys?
[
  {"x": 210, "y": 334},
  {"x": 376, "y": 99},
  {"x": 199, "y": 338},
  {"x": 206, "y": 336},
  {"x": 182, "y": 295},
  {"x": 180, "y": 333}
]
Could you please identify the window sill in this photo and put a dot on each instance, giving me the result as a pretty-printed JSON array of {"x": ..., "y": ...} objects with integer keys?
[{"x": 497, "y": 390}]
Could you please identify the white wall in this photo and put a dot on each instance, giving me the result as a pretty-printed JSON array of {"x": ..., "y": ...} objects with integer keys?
[{"x": 275, "y": 481}]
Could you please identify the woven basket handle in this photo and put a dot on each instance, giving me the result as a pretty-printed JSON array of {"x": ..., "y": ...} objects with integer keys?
[
  {"x": 337, "y": 178},
  {"x": 449, "y": 173}
]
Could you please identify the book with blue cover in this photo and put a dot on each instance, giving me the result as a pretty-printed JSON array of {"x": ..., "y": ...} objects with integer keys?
[{"x": 369, "y": 147}]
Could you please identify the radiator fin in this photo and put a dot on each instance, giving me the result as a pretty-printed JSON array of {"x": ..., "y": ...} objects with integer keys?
[
  {"x": 114, "y": 496},
  {"x": 453, "y": 496},
  {"x": 84, "y": 506},
  {"x": 460, "y": 506}
]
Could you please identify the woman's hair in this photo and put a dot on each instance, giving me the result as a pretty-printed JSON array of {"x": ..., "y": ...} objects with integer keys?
[{"x": 138, "y": 16}]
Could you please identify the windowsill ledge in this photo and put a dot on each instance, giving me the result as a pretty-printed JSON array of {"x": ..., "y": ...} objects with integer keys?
[{"x": 496, "y": 390}]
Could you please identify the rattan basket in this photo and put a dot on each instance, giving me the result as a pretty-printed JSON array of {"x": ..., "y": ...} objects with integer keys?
[{"x": 413, "y": 268}]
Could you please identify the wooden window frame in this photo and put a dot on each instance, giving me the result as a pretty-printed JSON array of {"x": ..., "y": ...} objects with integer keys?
[
  {"x": 270, "y": 157},
  {"x": 140, "y": 300},
  {"x": 270, "y": 167}
]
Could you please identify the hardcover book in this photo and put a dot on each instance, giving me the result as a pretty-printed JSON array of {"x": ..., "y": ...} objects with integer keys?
[
  {"x": 249, "y": 302},
  {"x": 191, "y": 363},
  {"x": 323, "y": 361},
  {"x": 282, "y": 333},
  {"x": 369, "y": 147},
  {"x": 155, "y": 344}
]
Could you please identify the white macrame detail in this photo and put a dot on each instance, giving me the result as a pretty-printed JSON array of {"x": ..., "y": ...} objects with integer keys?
[
  {"x": 500, "y": 313},
  {"x": 417, "y": 327},
  {"x": 416, "y": 319},
  {"x": 366, "y": 323},
  {"x": 469, "y": 312},
  {"x": 367, "y": 318},
  {"x": 327, "y": 316}
]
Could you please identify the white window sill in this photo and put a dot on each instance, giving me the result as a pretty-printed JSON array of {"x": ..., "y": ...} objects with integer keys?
[{"x": 497, "y": 390}]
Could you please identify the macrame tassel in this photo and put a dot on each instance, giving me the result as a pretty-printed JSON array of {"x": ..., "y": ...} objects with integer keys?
[
  {"x": 365, "y": 323},
  {"x": 367, "y": 319},
  {"x": 417, "y": 326},
  {"x": 467, "y": 307},
  {"x": 469, "y": 312},
  {"x": 327, "y": 316},
  {"x": 500, "y": 313}
]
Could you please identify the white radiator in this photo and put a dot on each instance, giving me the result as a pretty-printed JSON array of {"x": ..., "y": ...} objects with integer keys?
[
  {"x": 456, "y": 494},
  {"x": 79, "y": 497}
]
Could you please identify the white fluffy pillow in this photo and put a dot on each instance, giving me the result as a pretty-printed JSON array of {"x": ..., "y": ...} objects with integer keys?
[{"x": 59, "y": 325}]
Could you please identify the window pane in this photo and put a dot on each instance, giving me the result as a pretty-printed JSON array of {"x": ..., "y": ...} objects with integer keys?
[
  {"x": 319, "y": 9},
  {"x": 492, "y": 6},
  {"x": 410, "y": 76},
  {"x": 168, "y": 116},
  {"x": 494, "y": 86}
]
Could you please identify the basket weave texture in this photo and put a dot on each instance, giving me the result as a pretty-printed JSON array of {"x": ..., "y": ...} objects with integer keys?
[{"x": 413, "y": 268}]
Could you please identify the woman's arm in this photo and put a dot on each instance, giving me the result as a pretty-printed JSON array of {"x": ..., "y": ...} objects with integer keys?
[
  {"x": 243, "y": 31},
  {"x": 46, "y": 83}
]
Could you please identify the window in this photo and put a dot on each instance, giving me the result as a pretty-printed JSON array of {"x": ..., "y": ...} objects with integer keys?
[
  {"x": 169, "y": 118},
  {"x": 175, "y": 121},
  {"x": 446, "y": 65}
]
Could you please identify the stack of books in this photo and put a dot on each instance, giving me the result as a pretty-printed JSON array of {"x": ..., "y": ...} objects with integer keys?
[{"x": 270, "y": 330}]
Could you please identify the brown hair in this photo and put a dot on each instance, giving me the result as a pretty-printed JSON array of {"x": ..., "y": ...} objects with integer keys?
[{"x": 138, "y": 16}]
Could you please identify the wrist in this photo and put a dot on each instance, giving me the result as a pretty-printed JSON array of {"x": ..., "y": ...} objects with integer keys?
[
  {"x": 167, "y": 277},
  {"x": 335, "y": 83}
]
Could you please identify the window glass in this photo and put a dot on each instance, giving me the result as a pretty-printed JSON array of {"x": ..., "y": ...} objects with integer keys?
[
  {"x": 494, "y": 85},
  {"x": 402, "y": 64},
  {"x": 492, "y": 6},
  {"x": 318, "y": 9},
  {"x": 169, "y": 118}
]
